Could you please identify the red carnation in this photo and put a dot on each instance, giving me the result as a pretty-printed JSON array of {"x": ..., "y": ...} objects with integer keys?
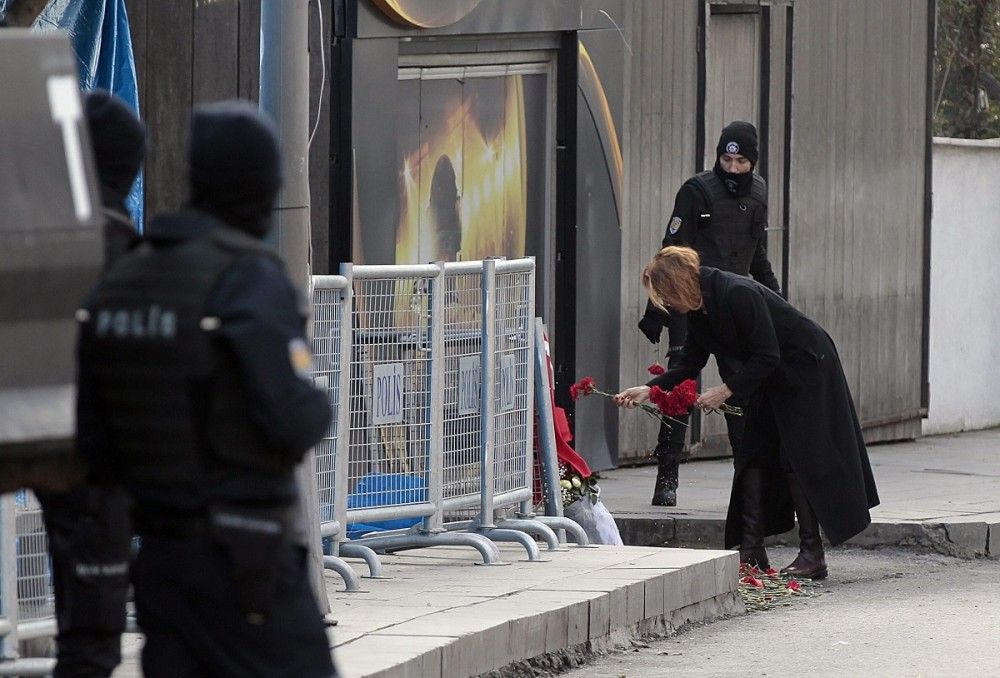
[
  {"x": 584, "y": 387},
  {"x": 680, "y": 399},
  {"x": 656, "y": 369},
  {"x": 750, "y": 580},
  {"x": 657, "y": 396},
  {"x": 794, "y": 586}
]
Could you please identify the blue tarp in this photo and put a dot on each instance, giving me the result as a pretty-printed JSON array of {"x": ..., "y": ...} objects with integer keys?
[
  {"x": 385, "y": 489},
  {"x": 102, "y": 42}
]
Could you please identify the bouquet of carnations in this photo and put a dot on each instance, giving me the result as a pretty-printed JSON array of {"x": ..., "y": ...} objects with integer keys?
[{"x": 666, "y": 406}]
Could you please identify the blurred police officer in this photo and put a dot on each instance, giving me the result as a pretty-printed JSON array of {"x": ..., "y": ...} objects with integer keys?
[
  {"x": 195, "y": 391},
  {"x": 88, "y": 527},
  {"x": 722, "y": 214}
]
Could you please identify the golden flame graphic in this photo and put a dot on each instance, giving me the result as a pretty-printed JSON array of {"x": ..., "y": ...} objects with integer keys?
[{"x": 484, "y": 213}]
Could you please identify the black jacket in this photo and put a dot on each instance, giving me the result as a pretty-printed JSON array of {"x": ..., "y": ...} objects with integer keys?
[
  {"x": 682, "y": 229},
  {"x": 791, "y": 363},
  {"x": 261, "y": 323}
]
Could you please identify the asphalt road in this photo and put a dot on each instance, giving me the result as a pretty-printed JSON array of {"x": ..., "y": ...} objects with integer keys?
[{"x": 881, "y": 613}]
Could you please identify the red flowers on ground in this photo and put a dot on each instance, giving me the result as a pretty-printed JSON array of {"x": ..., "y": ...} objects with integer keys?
[{"x": 764, "y": 589}]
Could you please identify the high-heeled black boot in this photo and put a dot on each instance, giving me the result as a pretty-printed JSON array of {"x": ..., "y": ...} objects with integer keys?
[
  {"x": 811, "y": 561},
  {"x": 751, "y": 495},
  {"x": 665, "y": 489}
]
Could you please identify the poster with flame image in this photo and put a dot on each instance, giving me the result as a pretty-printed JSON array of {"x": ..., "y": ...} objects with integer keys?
[
  {"x": 464, "y": 169},
  {"x": 471, "y": 152}
]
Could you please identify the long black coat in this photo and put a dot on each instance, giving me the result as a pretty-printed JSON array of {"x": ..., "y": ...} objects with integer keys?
[{"x": 791, "y": 369}]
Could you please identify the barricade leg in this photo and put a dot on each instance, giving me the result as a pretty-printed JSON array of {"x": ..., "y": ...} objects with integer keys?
[
  {"x": 534, "y": 527},
  {"x": 352, "y": 550},
  {"x": 516, "y": 536},
  {"x": 416, "y": 540},
  {"x": 28, "y": 667},
  {"x": 571, "y": 526},
  {"x": 345, "y": 571}
]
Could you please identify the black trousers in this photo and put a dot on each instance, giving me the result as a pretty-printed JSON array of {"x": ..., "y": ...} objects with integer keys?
[
  {"x": 670, "y": 441},
  {"x": 187, "y": 603},
  {"x": 89, "y": 535}
]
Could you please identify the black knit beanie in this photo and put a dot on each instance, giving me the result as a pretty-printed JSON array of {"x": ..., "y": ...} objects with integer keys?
[
  {"x": 235, "y": 169},
  {"x": 119, "y": 142},
  {"x": 738, "y": 138}
]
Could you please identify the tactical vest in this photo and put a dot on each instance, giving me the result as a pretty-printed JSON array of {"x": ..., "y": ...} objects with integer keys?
[
  {"x": 169, "y": 394},
  {"x": 731, "y": 227}
]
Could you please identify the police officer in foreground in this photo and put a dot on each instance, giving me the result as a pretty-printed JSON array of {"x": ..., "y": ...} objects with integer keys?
[
  {"x": 195, "y": 391},
  {"x": 89, "y": 534},
  {"x": 722, "y": 214}
]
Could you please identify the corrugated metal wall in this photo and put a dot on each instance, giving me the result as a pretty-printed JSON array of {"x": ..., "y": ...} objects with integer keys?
[
  {"x": 857, "y": 195},
  {"x": 659, "y": 148}
]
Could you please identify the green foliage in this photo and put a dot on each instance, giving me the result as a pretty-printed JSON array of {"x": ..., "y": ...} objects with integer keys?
[{"x": 967, "y": 69}]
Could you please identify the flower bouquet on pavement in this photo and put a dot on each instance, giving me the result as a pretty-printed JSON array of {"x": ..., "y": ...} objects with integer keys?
[
  {"x": 765, "y": 589},
  {"x": 582, "y": 503}
]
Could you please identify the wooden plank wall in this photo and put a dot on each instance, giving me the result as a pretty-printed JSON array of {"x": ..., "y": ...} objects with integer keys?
[
  {"x": 857, "y": 195},
  {"x": 188, "y": 52},
  {"x": 658, "y": 145}
]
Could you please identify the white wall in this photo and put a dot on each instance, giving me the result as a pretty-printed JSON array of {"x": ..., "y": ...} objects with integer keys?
[{"x": 965, "y": 287}]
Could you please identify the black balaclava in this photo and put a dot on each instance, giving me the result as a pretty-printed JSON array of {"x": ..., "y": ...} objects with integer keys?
[
  {"x": 119, "y": 142},
  {"x": 235, "y": 165},
  {"x": 737, "y": 138}
]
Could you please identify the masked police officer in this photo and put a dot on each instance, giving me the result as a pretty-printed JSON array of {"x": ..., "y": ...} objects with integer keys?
[
  {"x": 195, "y": 391},
  {"x": 88, "y": 529},
  {"x": 722, "y": 214}
]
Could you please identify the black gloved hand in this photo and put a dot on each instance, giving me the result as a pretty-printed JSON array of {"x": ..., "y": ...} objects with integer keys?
[{"x": 651, "y": 325}]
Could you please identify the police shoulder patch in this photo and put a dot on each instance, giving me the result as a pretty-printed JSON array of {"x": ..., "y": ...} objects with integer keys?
[
  {"x": 675, "y": 225},
  {"x": 300, "y": 358}
]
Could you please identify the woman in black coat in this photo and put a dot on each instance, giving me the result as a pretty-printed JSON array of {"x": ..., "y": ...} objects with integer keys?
[{"x": 802, "y": 447}]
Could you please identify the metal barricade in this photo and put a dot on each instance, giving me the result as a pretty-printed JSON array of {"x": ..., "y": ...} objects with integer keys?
[
  {"x": 392, "y": 441},
  {"x": 470, "y": 289},
  {"x": 35, "y": 597},
  {"x": 331, "y": 344},
  {"x": 27, "y": 602},
  {"x": 8, "y": 579},
  {"x": 463, "y": 323},
  {"x": 509, "y": 342}
]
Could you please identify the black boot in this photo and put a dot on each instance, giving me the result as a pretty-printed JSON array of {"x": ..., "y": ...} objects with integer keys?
[
  {"x": 665, "y": 489},
  {"x": 811, "y": 561},
  {"x": 752, "y": 550}
]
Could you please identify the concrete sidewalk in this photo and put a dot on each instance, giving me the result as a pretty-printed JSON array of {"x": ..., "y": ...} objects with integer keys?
[
  {"x": 439, "y": 614},
  {"x": 939, "y": 493}
]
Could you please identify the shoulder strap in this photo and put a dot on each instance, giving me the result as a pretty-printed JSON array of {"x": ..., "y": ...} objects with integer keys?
[
  {"x": 759, "y": 189},
  {"x": 705, "y": 183}
]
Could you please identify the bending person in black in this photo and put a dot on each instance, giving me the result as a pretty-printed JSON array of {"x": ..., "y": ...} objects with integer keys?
[
  {"x": 722, "y": 214},
  {"x": 802, "y": 442},
  {"x": 195, "y": 392}
]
